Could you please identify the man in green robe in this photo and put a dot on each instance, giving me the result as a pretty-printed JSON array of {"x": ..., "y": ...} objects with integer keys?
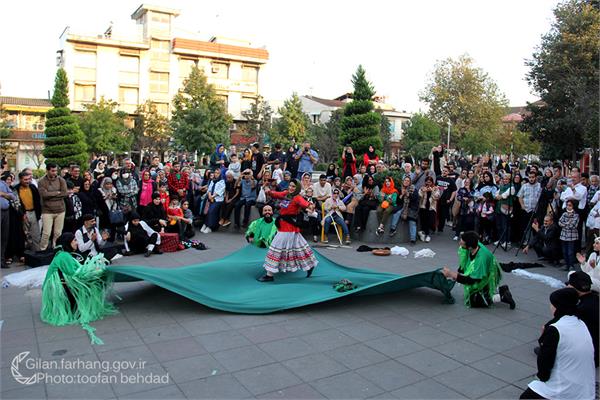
[
  {"x": 479, "y": 273},
  {"x": 262, "y": 231}
]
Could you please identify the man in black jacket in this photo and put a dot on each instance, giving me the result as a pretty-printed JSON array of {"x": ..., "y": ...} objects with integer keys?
[
  {"x": 588, "y": 306},
  {"x": 545, "y": 240},
  {"x": 32, "y": 206}
]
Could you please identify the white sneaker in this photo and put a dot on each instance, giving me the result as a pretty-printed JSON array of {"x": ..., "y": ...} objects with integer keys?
[
  {"x": 427, "y": 239},
  {"x": 455, "y": 238},
  {"x": 116, "y": 257},
  {"x": 203, "y": 229},
  {"x": 422, "y": 236},
  {"x": 207, "y": 230},
  {"x": 496, "y": 243}
]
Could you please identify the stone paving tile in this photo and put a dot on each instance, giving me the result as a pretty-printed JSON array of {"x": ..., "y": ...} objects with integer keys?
[
  {"x": 428, "y": 336},
  {"x": 356, "y": 356},
  {"x": 118, "y": 340},
  {"x": 394, "y": 345},
  {"x": 177, "y": 348},
  {"x": 65, "y": 348},
  {"x": 25, "y": 392},
  {"x": 347, "y": 386},
  {"x": 203, "y": 326},
  {"x": 504, "y": 368},
  {"x": 519, "y": 331},
  {"x": 304, "y": 325},
  {"x": 242, "y": 358},
  {"x": 264, "y": 333},
  {"x": 463, "y": 351},
  {"x": 188, "y": 369},
  {"x": 507, "y": 392},
  {"x": 494, "y": 341},
  {"x": 426, "y": 389},
  {"x": 314, "y": 366},
  {"x": 17, "y": 323},
  {"x": 133, "y": 383},
  {"x": 166, "y": 392},
  {"x": 162, "y": 333},
  {"x": 135, "y": 353},
  {"x": 336, "y": 317},
  {"x": 267, "y": 378},
  {"x": 485, "y": 319},
  {"x": 222, "y": 341},
  {"x": 15, "y": 310},
  {"x": 365, "y": 331},
  {"x": 304, "y": 391},
  {"x": 470, "y": 382},
  {"x": 286, "y": 349},
  {"x": 458, "y": 327},
  {"x": 20, "y": 338},
  {"x": 398, "y": 324},
  {"x": 215, "y": 387},
  {"x": 429, "y": 363},
  {"x": 9, "y": 383},
  {"x": 523, "y": 353},
  {"x": 327, "y": 340},
  {"x": 390, "y": 375}
]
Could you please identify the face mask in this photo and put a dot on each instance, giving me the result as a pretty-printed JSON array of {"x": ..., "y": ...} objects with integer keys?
[
  {"x": 114, "y": 176},
  {"x": 125, "y": 176}
]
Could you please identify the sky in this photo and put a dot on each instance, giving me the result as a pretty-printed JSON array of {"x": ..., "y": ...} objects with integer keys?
[{"x": 315, "y": 45}]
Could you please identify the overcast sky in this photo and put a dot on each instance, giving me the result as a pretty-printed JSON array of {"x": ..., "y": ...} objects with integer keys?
[{"x": 314, "y": 45}]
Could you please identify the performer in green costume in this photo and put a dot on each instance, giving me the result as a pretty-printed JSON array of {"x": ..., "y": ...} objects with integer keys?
[
  {"x": 74, "y": 291},
  {"x": 479, "y": 273},
  {"x": 262, "y": 231}
]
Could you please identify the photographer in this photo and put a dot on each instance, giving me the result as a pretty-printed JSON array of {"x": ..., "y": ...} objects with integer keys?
[
  {"x": 306, "y": 158},
  {"x": 247, "y": 199},
  {"x": 91, "y": 242}
]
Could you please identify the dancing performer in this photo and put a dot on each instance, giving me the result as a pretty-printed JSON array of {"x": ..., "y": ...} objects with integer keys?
[
  {"x": 74, "y": 291},
  {"x": 479, "y": 272},
  {"x": 289, "y": 251},
  {"x": 262, "y": 231}
]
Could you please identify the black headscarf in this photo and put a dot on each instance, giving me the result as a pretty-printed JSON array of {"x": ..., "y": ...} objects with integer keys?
[{"x": 64, "y": 242}]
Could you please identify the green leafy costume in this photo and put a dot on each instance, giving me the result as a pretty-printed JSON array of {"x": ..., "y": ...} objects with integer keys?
[
  {"x": 88, "y": 284},
  {"x": 263, "y": 232},
  {"x": 484, "y": 267}
]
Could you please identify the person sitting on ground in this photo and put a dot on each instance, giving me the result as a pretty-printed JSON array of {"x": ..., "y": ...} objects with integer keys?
[
  {"x": 155, "y": 215},
  {"x": 262, "y": 231},
  {"x": 590, "y": 266},
  {"x": 387, "y": 198},
  {"x": 174, "y": 216},
  {"x": 566, "y": 356},
  {"x": 187, "y": 220},
  {"x": 479, "y": 273},
  {"x": 545, "y": 240},
  {"x": 588, "y": 306},
  {"x": 91, "y": 242},
  {"x": 334, "y": 206},
  {"x": 140, "y": 237}
]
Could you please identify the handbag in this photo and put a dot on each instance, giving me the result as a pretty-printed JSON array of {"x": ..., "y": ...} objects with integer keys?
[{"x": 116, "y": 217}]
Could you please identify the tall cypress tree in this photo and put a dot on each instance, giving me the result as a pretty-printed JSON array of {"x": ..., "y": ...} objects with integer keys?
[
  {"x": 65, "y": 142},
  {"x": 360, "y": 124}
]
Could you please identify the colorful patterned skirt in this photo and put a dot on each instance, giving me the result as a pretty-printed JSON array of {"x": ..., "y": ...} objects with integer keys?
[{"x": 289, "y": 252}]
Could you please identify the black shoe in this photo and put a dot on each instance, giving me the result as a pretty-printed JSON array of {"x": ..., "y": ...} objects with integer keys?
[
  {"x": 413, "y": 242},
  {"x": 536, "y": 350},
  {"x": 506, "y": 296},
  {"x": 309, "y": 272},
  {"x": 148, "y": 253},
  {"x": 266, "y": 278},
  {"x": 157, "y": 250},
  {"x": 392, "y": 232}
]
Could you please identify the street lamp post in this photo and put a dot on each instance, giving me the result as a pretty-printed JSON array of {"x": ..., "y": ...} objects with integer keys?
[{"x": 448, "y": 134}]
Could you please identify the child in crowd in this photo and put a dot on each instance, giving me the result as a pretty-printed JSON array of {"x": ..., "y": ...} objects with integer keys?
[
  {"x": 187, "y": 220},
  {"x": 486, "y": 213},
  {"x": 164, "y": 195},
  {"x": 277, "y": 172},
  {"x": 569, "y": 235},
  {"x": 235, "y": 166}
]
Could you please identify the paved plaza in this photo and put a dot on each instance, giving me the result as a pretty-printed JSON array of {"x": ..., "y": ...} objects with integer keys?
[{"x": 407, "y": 345}]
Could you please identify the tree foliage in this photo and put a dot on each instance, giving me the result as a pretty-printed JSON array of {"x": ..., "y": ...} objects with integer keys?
[
  {"x": 258, "y": 120},
  {"x": 564, "y": 71},
  {"x": 327, "y": 136},
  {"x": 293, "y": 124},
  {"x": 386, "y": 135},
  {"x": 64, "y": 142},
  {"x": 361, "y": 125},
  {"x": 464, "y": 95},
  {"x": 152, "y": 130},
  {"x": 104, "y": 128},
  {"x": 200, "y": 119},
  {"x": 420, "y": 135},
  {"x": 4, "y": 131}
]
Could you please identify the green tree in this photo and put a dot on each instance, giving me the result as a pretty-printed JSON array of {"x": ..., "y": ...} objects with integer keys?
[
  {"x": 200, "y": 120},
  {"x": 104, "y": 127},
  {"x": 258, "y": 120},
  {"x": 464, "y": 95},
  {"x": 564, "y": 71},
  {"x": 327, "y": 138},
  {"x": 420, "y": 135},
  {"x": 361, "y": 125},
  {"x": 152, "y": 130},
  {"x": 64, "y": 142},
  {"x": 293, "y": 124},
  {"x": 4, "y": 131}
]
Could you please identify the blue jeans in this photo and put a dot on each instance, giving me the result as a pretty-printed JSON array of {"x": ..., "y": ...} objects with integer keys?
[
  {"x": 568, "y": 249},
  {"x": 412, "y": 225},
  {"x": 338, "y": 220}
]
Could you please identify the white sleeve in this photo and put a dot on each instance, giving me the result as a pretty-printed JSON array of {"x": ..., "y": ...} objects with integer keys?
[
  {"x": 150, "y": 231},
  {"x": 567, "y": 194},
  {"x": 81, "y": 245},
  {"x": 101, "y": 242},
  {"x": 596, "y": 197},
  {"x": 580, "y": 192}
]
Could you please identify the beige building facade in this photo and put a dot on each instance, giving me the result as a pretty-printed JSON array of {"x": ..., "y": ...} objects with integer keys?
[{"x": 149, "y": 61}]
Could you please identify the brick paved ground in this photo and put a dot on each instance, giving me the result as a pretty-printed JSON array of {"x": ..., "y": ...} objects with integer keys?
[{"x": 404, "y": 345}]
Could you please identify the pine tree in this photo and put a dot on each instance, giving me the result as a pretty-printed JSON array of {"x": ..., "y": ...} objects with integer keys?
[
  {"x": 360, "y": 124},
  {"x": 293, "y": 125},
  {"x": 65, "y": 142}
]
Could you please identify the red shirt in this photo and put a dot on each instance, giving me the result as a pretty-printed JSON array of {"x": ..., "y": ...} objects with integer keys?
[
  {"x": 289, "y": 207},
  {"x": 176, "y": 184}
]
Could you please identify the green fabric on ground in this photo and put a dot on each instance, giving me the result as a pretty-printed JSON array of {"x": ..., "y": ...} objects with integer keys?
[
  {"x": 484, "y": 267},
  {"x": 230, "y": 284}
]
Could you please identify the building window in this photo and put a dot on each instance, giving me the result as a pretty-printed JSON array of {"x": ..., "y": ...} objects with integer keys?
[
  {"x": 220, "y": 70},
  {"x": 32, "y": 122},
  {"x": 185, "y": 68},
  {"x": 128, "y": 96},
  {"x": 161, "y": 22},
  {"x": 129, "y": 70},
  {"x": 159, "y": 50},
  {"x": 85, "y": 93},
  {"x": 247, "y": 103},
  {"x": 85, "y": 66},
  {"x": 159, "y": 82},
  {"x": 250, "y": 74}
]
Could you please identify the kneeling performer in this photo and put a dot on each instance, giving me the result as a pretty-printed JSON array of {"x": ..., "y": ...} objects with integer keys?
[{"x": 139, "y": 237}]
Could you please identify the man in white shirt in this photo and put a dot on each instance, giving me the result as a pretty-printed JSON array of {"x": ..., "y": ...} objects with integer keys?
[
  {"x": 91, "y": 242},
  {"x": 322, "y": 189}
]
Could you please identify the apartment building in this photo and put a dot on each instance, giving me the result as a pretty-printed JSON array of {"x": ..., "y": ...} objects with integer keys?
[{"x": 149, "y": 60}]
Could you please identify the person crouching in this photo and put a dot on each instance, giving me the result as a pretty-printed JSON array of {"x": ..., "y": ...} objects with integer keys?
[{"x": 139, "y": 237}]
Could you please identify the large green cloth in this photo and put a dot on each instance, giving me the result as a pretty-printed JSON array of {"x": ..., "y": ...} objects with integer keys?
[
  {"x": 262, "y": 232},
  {"x": 484, "y": 267},
  {"x": 230, "y": 284},
  {"x": 88, "y": 284}
]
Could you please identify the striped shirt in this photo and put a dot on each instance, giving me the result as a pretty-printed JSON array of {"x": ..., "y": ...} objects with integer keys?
[{"x": 530, "y": 195}]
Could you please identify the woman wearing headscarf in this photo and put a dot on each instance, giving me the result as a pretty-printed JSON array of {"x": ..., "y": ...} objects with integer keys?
[
  {"x": 566, "y": 355},
  {"x": 74, "y": 290},
  {"x": 246, "y": 160},
  {"x": 331, "y": 172},
  {"x": 127, "y": 188},
  {"x": 348, "y": 162},
  {"x": 306, "y": 183},
  {"x": 147, "y": 188},
  {"x": 291, "y": 164},
  {"x": 289, "y": 251},
  {"x": 387, "y": 202},
  {"x": 154, "y": 213},
  {"x": 429, "y": 194},
  {"x": 16, "y": 244},
  {"x": 100, "y": 171},
  {"x": 218, "y": 159},
  {"x": 106, "y": 202},
  {"x": 215, "y": 196},
  {"x": 370, "y": 157},
  {"x": 367, "y": 203}
]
